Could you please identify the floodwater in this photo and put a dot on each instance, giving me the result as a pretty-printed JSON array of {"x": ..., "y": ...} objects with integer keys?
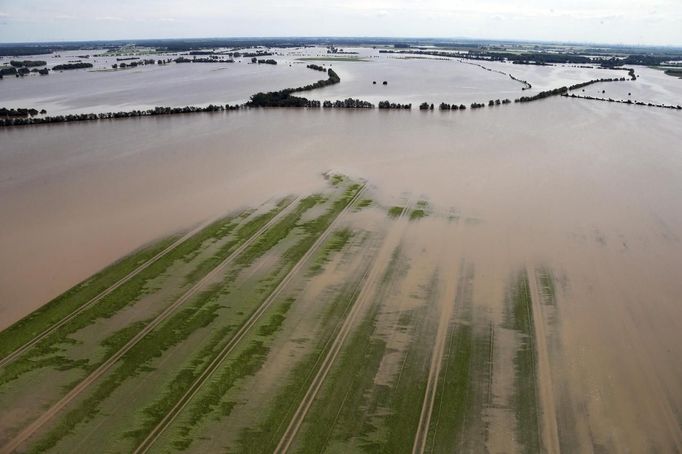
[
  {"x": 588, "y": 189},
  {"x": 410, "y": 80},
  {"x": 144, "y": 87}
]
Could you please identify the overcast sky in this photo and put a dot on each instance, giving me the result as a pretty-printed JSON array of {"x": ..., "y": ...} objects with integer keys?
[{"x": 605, "y": 21}]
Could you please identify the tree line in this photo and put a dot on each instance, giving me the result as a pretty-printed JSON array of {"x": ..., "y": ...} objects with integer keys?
[
  {"x": 18, "y": 121},
  {"x": 284, "y": 98},
  {"x": 564, "y": 90},
  {"x": 69, "y": 66},
  {"x": 20, "y": 112},
  {"x": 621, "y": 101},
  {"x": 543, "y": 58},
  {"x": 27, "y": 63},
  {"x": 316, "y": 67}
]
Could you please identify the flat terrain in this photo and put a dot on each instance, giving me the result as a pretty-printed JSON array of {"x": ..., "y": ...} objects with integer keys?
[{"x": 278, "y": 280}]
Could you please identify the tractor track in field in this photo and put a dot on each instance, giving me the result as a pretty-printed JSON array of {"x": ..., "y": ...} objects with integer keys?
[
  {"x": 51, "y": 412},
  {"x": 550, "y": 434},
  {"x": 97, "y": 298},
  {"x": 196, "y": 386},
  {"x": 449, "y": 296},
  {"x": 363, "y": 298}
]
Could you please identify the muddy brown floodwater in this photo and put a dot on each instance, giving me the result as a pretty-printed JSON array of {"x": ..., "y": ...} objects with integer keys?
[{"x": 589, "y": 190}]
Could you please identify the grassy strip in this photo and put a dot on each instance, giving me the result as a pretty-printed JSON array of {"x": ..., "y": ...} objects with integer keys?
[
  {"x": 264, "y": 438},
  {"x": 278, "y": 232},
  {"x": 547, "y": 288},
  {"x": 171, "y": 333},
  {"x": 404, "y": 399},
  {"x": 396, "y": 211},
  {"x": 457, "y": 421},
  {"x": 519, "y": 317},
  {"x": 338, "y": 241},
  {"x": 247, "y": 363},
  {"x": 341, "y": 412},
  {"x": 41, "y": 319},
  {"x": 363, "y": 203},
  {"x": 420, "y": 211}
]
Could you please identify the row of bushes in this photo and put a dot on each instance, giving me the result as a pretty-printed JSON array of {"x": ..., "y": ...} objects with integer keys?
[
  {"x": 392, "y": 105},
  {"x": 564, "y": 90},
  {"x": 283, "y": 98},
  {"x": 316, "y": 67},
  {"x": 27, "y": 63},
  {"x": 109, "y": 115},
  {"x": 201, "y": 60},
  {"x": 21, "y": 112},
  {"x": 12, "y": 71},
  {"x": 68, "y": 66},
  {"x": 349, "y": 103},
  {"x": 621, "y": 101}
]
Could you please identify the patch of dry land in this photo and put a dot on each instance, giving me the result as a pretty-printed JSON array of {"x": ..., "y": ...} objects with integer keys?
[{"x": 500, "y": 280}]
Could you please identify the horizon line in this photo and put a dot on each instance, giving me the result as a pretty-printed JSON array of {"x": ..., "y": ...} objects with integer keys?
[{"x": 331, "y": 37}]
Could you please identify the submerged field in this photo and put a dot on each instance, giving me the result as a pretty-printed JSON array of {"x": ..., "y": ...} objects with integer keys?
[{"x": 327, "y": 322}]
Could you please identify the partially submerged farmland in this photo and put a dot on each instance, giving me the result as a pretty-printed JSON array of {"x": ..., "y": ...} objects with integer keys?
[{"x": 326, "y": 322}]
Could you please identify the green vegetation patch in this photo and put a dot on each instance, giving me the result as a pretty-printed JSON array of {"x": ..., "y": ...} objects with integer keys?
[
  {"x": 457, "y": 421},
  {"x": 547, "y": 287},
  {"x": 341, "y": 414},
  {"x": 519, "y": 317},
  {"x": 266, "y": 435},
  {"x": 337, "y": 242},
  {"x": 396, "y": 211},
  {"x": 247, "y": 363},
  {"x": 420, "y": 211},
  {"x": 336, "y": 179},
  {"x": 363, "y": 203}
]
